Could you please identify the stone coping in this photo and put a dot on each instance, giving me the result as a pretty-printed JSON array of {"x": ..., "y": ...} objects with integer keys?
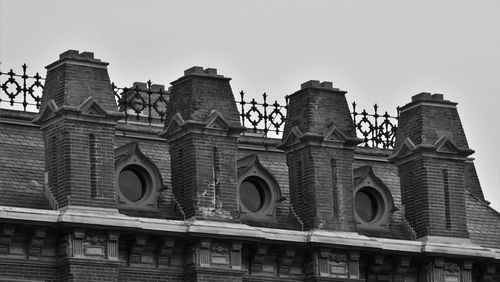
[{"x": 110, "y": 218}]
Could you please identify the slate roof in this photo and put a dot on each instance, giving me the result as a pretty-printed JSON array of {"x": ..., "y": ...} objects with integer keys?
[
  {"x": 388, "y": 174},
  {"x": 22, "y": 176},
  {"x": 483, "y": 222},
  {"x": 21, "y": 164}
]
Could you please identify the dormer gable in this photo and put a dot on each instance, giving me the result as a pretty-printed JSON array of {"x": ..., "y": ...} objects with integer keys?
[
  {"x": 373, "y": 201},
  {"x": 217, "y": 121},
  {"x": 333, "y": 133},
  {"x": 92, "y": 108},
  {"x": 292, "y": 138},
  {"x": 133, "y": 167}
]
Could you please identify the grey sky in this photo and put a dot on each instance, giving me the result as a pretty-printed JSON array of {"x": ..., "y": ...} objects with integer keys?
[{"x": 379, "y": 51}]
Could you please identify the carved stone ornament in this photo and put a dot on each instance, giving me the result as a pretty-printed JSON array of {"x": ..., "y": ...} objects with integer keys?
[
  {"x": 36, "y": 242},
  {"x": 5, "y": 238},
  {"x": 337, "y": 257},
  {"x": 451, "y": 268},
  {"x": 219, "y": 249}
]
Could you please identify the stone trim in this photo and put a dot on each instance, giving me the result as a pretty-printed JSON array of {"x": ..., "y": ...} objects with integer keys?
[{"x": 108, "y": 218}]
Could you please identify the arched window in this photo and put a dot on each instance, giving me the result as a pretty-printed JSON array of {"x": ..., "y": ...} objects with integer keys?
[
  {"x": 258, "y": 193},
  {"x": 372, "y": 200},
  {"x": 138, "y": 180}
]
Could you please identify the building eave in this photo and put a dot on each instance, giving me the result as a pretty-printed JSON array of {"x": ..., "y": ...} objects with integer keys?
[{"x": 111, "y": 218}]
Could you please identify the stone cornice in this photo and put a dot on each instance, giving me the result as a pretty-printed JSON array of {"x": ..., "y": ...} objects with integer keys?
[{"x": 111, "y": 218}]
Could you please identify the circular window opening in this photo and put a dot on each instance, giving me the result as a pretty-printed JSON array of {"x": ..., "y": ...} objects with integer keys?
[
  {"x": 252, "y": 194},
  {"x": 367, "y": 204},
  {"x": 132, "y": 183}
]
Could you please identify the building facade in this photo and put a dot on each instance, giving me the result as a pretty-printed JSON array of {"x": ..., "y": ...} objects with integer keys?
[{"x": 171, "y": 185}]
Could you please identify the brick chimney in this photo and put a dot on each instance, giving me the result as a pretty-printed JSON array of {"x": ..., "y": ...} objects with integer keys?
[
  {"x": 431, "y": 152},
  {"x": 319, "y": 141},
  {"x": 202, "y": 129},
  {"x": 78, "y": 117}
]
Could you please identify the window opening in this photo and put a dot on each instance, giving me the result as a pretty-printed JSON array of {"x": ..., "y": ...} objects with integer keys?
[
  {"x": 446, "y": 199},
  {"x": 252, "y": 195},
  {"x": 93, "y": 169},
  {"x": 132, "y": 184},
  {"x": 367, "y": 205}
]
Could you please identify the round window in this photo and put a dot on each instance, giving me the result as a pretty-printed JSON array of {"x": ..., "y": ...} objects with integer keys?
[
  {"x": 367, "y": 204},
  {"x": 132, "y": 183},
  {"x": 252, "y": 194}
]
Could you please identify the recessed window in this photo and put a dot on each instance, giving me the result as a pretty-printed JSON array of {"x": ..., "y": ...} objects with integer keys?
[
  {"x": 137, "y": 181},
  {"x": 252, "y": 194},
  {"x": 367, "y": 204},
  {"x": 132, "y": 184},
  {"x": 373, "y": 203},
  {"x": 258, "y": 192}
]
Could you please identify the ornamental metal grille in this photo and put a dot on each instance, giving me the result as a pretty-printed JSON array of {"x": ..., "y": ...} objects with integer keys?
[
  {"x": 378, "y": 131},
  {"x": 147, "y": 103},
  {"x": 263, "y": 117},
  {"x": 21, "y": 91}
]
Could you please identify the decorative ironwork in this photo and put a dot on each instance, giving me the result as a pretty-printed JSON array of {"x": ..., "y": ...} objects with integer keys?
[
  {"x": 263, "y": 117},
  {"x": 21, "y": 89},
  {"x": 378, "y": 131},
  {"x": 145, "y": 101}
]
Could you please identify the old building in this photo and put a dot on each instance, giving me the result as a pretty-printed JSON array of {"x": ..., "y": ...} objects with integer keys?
[{"x": 177, "y": 185}]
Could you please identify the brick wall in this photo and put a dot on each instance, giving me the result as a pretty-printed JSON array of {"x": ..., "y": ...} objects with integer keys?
[
  {"x": 197, "y": 173},
  {"x": 28, "y": 271},
  {"x": 320, "y": 169},
  {"x": 432, "y": 178},
  {"x": 316, "y": 107},
  {"x": 203, "y": 162},
  {"x": 72, "y": 175},
  {"x": 199, "y": 92},
  {"x": 321, "y": 187},
  {"x": 88, "y": 270},
  {"x": 79, "y": 141},
  {"x": 75, "y": 77}
]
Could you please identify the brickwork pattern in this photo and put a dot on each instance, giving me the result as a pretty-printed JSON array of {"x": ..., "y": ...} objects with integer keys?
[
  {"x": 69, "y": 167},
  {"x": 193, "y": 179},
  {"x": 194, "y": 96},
  {"x": 149, "y": 275},
  {"x": 423, "y": 195},
  {"x": 87, "y": 270},
  {"x": 71, "y": 84},
  {"x": 17, "y": 271},
  {"x": 317, "y": 199},
  {"x": 425, "y": 124},
  {"x": 314, "y": 110}
]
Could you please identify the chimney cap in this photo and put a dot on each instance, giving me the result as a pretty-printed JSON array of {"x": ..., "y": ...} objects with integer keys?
[
  {"x": 317, "y": 84},
  {"x": 426, "y": 96},
  {"x": 196, "y": 70},
  {"x": 78, "y": 55}
]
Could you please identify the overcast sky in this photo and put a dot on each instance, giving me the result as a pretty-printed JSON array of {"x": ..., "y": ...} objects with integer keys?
[{"x": 379, "y": 51}]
